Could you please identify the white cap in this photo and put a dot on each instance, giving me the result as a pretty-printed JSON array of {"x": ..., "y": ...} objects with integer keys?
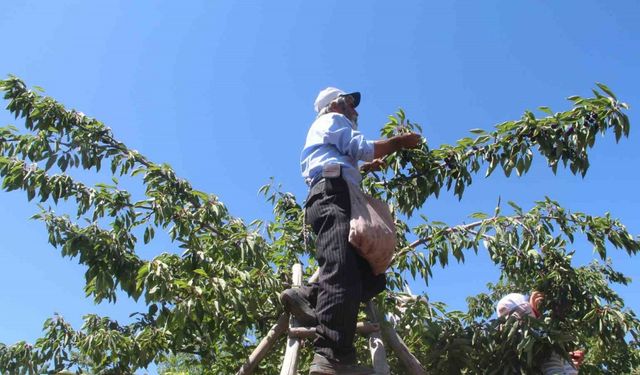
[{"x": 329, "y": 94}]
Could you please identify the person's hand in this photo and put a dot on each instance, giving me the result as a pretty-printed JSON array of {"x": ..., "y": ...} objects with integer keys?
[
  {"x": 373, "y": 166},
  {"x": 388, "y": 146},
  {"x": 536, "y": 302},
  {"x": 409, "y": 140},
  {"x": 577, "y": 357}
]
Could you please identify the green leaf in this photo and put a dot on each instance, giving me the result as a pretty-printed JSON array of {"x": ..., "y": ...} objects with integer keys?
[
  {"x": 479, "y": 215},
  {"x": 52, "y": 159},
  {"x": 607, "y": 90},
  {"x": 478, "y": 131},
  {"x": 200, "y": 272},
  {"x": 147, "y": 235},
  {"x": 138, "y": 170},
  {"x": 200, "y": 194},
  {"x": 546, "y": 110},
  {"x": 401, "y": 114},
  {"x": 515, "y": 207}
]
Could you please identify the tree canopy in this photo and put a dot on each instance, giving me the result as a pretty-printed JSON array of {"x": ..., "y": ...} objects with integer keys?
[{"x": 215, "y": 296}]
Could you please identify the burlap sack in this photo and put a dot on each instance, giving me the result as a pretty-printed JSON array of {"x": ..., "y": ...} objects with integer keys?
[{"x": 372, "y": 230}]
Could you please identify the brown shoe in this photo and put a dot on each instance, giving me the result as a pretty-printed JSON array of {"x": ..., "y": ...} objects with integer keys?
[
  {"x": 324, "y": 366},
  {"x": 295, "y": 303}
]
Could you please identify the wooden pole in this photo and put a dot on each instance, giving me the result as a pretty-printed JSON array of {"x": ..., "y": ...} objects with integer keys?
[
  {"x": 376, "y": 346},
  {"x": 410, "y": 362},
  {"x": 363, "y": 328},
  {"x": 315, "y": 276},
  {"x": 290, "y": 362},
  {"x": 281, "y": 326},
  {"x": 265, "y": 345}
]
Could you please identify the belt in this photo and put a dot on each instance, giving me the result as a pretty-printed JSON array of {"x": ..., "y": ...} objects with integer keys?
[{"x": 316, "y": 180}]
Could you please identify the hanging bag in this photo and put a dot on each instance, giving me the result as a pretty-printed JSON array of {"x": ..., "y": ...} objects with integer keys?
[{"x": 372, "y": 231}]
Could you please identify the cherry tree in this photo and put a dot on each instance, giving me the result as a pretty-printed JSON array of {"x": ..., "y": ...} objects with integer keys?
[{"x": 212, "y": 299}]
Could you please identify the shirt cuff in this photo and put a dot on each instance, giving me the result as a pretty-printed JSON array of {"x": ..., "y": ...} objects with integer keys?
[{"x": 367, "y": 150}]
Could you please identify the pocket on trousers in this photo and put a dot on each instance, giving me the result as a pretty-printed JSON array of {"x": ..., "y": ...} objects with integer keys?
[{"x": 334, "y": 186}]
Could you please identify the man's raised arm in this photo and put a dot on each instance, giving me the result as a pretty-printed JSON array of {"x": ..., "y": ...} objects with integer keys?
[{"x": 385, "y": 147}]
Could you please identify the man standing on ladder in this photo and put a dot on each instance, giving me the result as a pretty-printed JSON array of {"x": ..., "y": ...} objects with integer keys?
[{"x": 329, "y": 161}]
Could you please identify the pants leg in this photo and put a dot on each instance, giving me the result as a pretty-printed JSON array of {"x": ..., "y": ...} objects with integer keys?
[{"x": 345, "y": 277}]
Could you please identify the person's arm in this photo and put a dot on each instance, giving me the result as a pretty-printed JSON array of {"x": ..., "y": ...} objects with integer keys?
[
  {"x": 372, "y": 166},
  {"x": 385, "y": 147},
  {"x": 577, "y": 357},
  {"x": 337, "y": 130},
  {"x": 536, "y": 302}
]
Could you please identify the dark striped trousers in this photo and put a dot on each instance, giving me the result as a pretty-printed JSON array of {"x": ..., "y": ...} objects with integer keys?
[{"x": 345, "y": 278}]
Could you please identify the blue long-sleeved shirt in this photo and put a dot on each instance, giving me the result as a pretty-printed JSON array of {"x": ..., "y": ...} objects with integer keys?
[{"x": 332, "y": 140}]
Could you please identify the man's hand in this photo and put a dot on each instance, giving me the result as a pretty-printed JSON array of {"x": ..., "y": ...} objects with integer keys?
[
  {"x": 385, "y": 147},
  {"x": 577, "y": 357},
  {"x": 372, "y": 166},
  {"x": 409, "y": 140},
  {"x": 536, "y": 302}
]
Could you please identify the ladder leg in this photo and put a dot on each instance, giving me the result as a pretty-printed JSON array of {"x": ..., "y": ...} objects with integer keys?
[
  {"x": 373, "y": 330},
  {"x": 290, "y": 362},
  {"x": 265, "y": 345},
  {"x": 408, "y": 360},
  {"x": 376, "y": 346},
  {"x": 397, "y": 345}
]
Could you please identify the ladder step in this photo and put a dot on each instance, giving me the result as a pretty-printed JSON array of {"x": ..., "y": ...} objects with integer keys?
[{"x": 363, "y": 328}]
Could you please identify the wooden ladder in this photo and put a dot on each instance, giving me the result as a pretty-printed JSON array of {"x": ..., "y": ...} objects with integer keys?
[{"x": 372, "y": 329}]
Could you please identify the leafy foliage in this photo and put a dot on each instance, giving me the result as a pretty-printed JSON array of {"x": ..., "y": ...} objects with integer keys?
[
  {"x": 562, "y": 137},
  {"x": 203, "y": 308}
]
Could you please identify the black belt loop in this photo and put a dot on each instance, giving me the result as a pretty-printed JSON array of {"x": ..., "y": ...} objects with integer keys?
[{"x": 316, "y": 181}]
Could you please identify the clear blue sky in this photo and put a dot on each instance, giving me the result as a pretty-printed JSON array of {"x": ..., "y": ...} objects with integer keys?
[{"x": 223, "y": 91}]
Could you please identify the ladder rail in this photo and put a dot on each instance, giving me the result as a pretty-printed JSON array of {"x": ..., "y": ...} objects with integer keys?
[
  {"x": 376, "y": 345},
  {"x": 397, "y": 345},
  {"x": 265, "y": 345},
  {"x": 290, "y": 361}
]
